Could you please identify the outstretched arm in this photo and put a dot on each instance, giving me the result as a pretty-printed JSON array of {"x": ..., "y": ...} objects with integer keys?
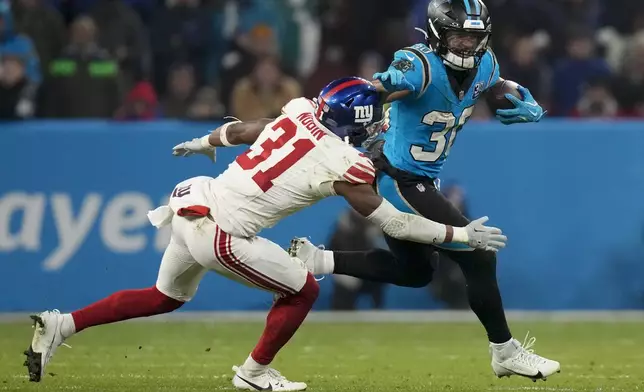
[
  {"x": 229, "y": 134},
  {"x": 235, "y": 133},
  {"x": 386, "y": 96},
  {"x": 410, "y": 227},
  {"x": 408, "y": 73}
]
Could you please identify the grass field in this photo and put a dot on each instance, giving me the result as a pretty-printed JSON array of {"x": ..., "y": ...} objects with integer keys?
[{"x": 197, "y": 356}]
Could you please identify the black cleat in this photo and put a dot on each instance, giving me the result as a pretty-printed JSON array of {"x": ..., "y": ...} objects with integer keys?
[{"x": 34, "y": 365}]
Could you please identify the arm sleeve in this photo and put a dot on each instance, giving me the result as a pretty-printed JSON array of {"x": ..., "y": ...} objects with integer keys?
[
  {"x": 414, "y": 64},
  {"x": 410, "y": 227}
]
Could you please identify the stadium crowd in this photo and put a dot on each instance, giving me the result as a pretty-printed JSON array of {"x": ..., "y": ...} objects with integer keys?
[{"x": 203, "y": 59}]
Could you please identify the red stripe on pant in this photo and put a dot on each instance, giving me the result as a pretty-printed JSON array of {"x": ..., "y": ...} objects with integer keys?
[
  {"x": 226, "y": 258},
  {"x": 253, "y": 271},
  {"x": 218, "y": 255}
]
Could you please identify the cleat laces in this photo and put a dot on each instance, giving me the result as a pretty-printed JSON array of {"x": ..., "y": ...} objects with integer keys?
[{"x": 526, "y": 352}]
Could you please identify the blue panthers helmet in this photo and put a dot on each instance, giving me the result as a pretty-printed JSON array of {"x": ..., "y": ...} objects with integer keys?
[{"x": 348, "y": 106}]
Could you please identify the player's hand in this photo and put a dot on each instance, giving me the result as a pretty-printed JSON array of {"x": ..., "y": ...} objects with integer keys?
[
  {"x": 394, "y": 80},
  {"x": 485, "y": 237},
  {"x": 194, "y": 146},
  {"x": 526, "y": 110}
]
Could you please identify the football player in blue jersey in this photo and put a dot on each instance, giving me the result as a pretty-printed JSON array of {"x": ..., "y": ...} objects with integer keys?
[{"x": 433, "y": 88}]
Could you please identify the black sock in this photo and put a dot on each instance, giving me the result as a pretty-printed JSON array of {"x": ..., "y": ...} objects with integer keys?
[
  {"x": 479, "y": 269},
  {"x": 379, "y": 265}
]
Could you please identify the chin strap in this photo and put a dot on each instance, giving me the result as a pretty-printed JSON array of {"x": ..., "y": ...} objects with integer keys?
[{"x": 422, "y": 31}]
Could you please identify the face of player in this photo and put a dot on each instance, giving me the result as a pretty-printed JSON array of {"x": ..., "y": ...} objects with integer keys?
[{"x": 463, "y": 42}]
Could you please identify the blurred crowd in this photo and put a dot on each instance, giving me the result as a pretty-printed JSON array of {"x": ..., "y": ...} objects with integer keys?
[{"x": 203, "y": 59}]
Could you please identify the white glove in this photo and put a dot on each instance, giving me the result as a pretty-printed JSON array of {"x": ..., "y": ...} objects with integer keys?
[
  {"x": 485, "y": 237},
  {"x": 195, "y": 146}
]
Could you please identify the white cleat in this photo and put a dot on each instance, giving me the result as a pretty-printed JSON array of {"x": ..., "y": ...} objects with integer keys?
[
  {"x": 312, "y": 256},
  {"x": 270, "y": 380},
  {"x": 47, "y": 338},
  {"x": 520, "y": 360}
]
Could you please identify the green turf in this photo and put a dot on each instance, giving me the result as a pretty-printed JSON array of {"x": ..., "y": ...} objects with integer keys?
[{"x": 197, "y": 356}]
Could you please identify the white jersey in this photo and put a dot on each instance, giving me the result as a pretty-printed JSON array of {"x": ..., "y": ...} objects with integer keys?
[{"x": 289, "y": 167}]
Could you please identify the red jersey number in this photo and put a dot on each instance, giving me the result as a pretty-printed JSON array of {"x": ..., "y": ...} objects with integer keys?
[{"x": 264, "y": 179}]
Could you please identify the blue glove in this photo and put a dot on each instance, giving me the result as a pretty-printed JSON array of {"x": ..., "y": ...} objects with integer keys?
[
  {"x": 526, "y": 110},
  {"x": 394, "y": 80}
]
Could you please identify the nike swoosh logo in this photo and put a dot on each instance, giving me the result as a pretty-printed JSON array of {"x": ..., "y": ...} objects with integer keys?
[
  {"x": 255, "y": 386},
  {"x": 537, "y": 376},
  {"x": 409, "y": 57}
]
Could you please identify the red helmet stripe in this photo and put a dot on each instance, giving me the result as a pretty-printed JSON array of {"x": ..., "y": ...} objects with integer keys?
[{"x": 342, "y": 86}]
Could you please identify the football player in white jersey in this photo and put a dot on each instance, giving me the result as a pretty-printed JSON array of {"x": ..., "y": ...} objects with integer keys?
[{"x": 294, "y": 161}]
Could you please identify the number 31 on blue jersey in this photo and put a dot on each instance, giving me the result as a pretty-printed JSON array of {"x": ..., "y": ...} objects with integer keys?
[{"x": 441, "y": 140}]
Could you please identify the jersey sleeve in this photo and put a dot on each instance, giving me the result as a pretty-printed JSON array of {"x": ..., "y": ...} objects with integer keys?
[
  {"x": 415, "y": 65},
  {"x": 343, "y": 164},
  {"x": 495, "y": 73},
  {"x": 359, "y": 171},
  {"x": 297, "y": 106}
]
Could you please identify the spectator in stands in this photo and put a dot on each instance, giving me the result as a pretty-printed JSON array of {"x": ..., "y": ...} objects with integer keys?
[
  {"x": 597, "y": 101},
  {"x": 16, "y": 101},
  {"x": 299, "y": 35},
  {"x": 122, "y": 33},
  {"x": 630, "y": 85},
  {"x": 44, "y": 25},
  {"x": 525, "y": 66},
  {"x": 369, "y": 64},
  {"x": 84, "y": 80},
  {"x": 206, "y": 106},
  {"x": 332, "y": 66},
  {"x": 264, "y": 92},
  {"x": 240, "y": 59},
  {"x": 13, "y": 44},
  {"x": 579, "y": 66},
  {"x": 140, "y": 104},
  {"x": 180, "y": 31},
  {"x": 181, "y": 91}
]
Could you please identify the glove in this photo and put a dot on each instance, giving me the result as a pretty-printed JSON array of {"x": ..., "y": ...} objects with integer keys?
[
  {"x": 195, "y": 146},
  {"x": 526, "y": 110},
  {"x": 484, "y": 237},
  {"x": 394, "y": 80}
]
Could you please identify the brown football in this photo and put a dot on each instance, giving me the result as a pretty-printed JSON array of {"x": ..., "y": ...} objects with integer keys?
[{"x": 495, "y": 95}]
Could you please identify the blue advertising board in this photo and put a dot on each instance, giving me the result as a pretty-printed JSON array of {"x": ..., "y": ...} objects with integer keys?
[{"x": 73, "y": 199}]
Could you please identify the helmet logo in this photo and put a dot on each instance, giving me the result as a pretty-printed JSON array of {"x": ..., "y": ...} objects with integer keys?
[
  {"x": 364, "y": 114},
  {"x": 474, "y": 24}
]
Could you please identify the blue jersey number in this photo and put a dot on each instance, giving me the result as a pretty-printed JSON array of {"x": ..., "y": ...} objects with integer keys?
[{"x": 442, "y": 140}]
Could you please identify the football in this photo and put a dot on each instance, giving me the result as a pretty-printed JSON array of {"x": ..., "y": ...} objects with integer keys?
[{"x": 495, "y": 95}]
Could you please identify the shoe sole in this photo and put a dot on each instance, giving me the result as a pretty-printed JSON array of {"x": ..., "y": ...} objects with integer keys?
[
  {"x": 539, "y": 376},
  {"x": 34, "y": 359}
]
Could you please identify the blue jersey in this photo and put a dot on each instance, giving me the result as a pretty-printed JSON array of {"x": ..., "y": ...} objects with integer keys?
[{"x": 424, "y": 125}]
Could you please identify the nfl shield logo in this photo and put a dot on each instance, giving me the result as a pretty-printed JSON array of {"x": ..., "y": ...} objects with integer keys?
[{"x": 478, "y": 89}]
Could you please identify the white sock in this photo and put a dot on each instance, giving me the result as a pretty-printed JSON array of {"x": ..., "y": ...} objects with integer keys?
[
  {"x": 253, "y": 368},
  {"x": 67, "y": 328},
  {"x": 503, "y": 351},
  {"x": 500, "y": 346},
  {"x": 327, "y": 264}
]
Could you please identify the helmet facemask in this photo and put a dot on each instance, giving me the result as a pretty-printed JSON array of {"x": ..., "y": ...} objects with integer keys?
[{"x": 461, "y": 49}]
